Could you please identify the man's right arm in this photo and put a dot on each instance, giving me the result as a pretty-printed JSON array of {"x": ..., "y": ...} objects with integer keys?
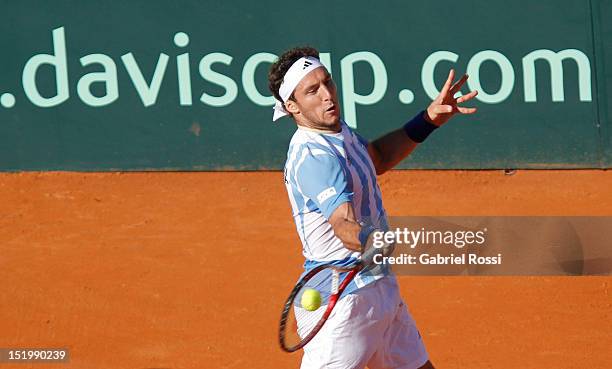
[
  {"x": 346, "y": 227},
  {"x": 322, "y": 179},
  {"x": 356, "y": 237}
]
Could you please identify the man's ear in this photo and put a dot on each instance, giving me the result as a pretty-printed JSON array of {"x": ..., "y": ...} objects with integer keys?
[{"x": 291, "y": 107}]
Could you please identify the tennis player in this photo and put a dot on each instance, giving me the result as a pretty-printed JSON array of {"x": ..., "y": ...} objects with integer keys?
[{"x": 330, "y": 175}]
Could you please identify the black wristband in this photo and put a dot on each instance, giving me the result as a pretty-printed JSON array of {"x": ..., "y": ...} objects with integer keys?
[{"x": 418, "y": 128}]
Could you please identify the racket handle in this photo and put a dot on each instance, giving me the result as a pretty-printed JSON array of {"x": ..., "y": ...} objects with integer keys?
[
  {"x": 370, "y": 252},
  {"x": 334, "y": 281}
]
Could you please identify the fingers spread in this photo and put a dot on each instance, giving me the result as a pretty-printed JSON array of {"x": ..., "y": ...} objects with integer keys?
[
  {"x": 463, "y": 110},
  {"x": 457, "y": 86},
  {"x": 449, "y": 80},
  {"x": 467, "y": 97}
]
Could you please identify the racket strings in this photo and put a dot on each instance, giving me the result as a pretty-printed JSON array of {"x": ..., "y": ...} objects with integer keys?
[
  {"x": 299, "y": 323},
  {"x": 302, "y": 321}
]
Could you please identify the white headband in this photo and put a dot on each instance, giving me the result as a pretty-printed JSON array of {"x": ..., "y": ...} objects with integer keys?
[{"x": 294, "y": 75}]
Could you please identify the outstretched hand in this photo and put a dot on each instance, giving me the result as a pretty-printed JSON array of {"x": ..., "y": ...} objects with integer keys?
[{"x": 445, "y": 105}]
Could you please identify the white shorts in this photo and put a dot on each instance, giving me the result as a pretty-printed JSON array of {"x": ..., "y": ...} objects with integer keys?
[{"x": 372, "y": 327}]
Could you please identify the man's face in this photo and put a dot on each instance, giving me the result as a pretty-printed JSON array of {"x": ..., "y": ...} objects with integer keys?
[{"x": 315, "y": 103}]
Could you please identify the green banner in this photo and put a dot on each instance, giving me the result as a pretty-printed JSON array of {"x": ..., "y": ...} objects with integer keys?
[{"x": 165, "y": 86}]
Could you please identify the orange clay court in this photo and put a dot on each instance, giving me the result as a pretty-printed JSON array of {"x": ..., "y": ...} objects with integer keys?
[{"x": 189, "y": 270}]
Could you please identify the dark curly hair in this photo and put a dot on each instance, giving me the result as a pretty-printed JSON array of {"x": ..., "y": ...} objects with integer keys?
[{"x": 282, "y": 65}]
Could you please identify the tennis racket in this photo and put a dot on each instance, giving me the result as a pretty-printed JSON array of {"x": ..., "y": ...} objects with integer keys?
[{"x": 298, "y": 326}]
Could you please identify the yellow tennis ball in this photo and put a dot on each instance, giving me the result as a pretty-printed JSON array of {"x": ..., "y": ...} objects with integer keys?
[{"x": 311, "y": 299}]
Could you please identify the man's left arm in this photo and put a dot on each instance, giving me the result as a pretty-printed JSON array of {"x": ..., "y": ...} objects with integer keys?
[{"x": 387, "y": 151}]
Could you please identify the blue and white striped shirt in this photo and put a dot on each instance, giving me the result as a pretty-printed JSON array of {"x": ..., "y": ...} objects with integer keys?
[{"x": 324, "y": 170}]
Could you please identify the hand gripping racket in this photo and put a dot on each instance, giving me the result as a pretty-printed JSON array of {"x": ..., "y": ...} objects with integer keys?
[{"x": 298, "y": 326}]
